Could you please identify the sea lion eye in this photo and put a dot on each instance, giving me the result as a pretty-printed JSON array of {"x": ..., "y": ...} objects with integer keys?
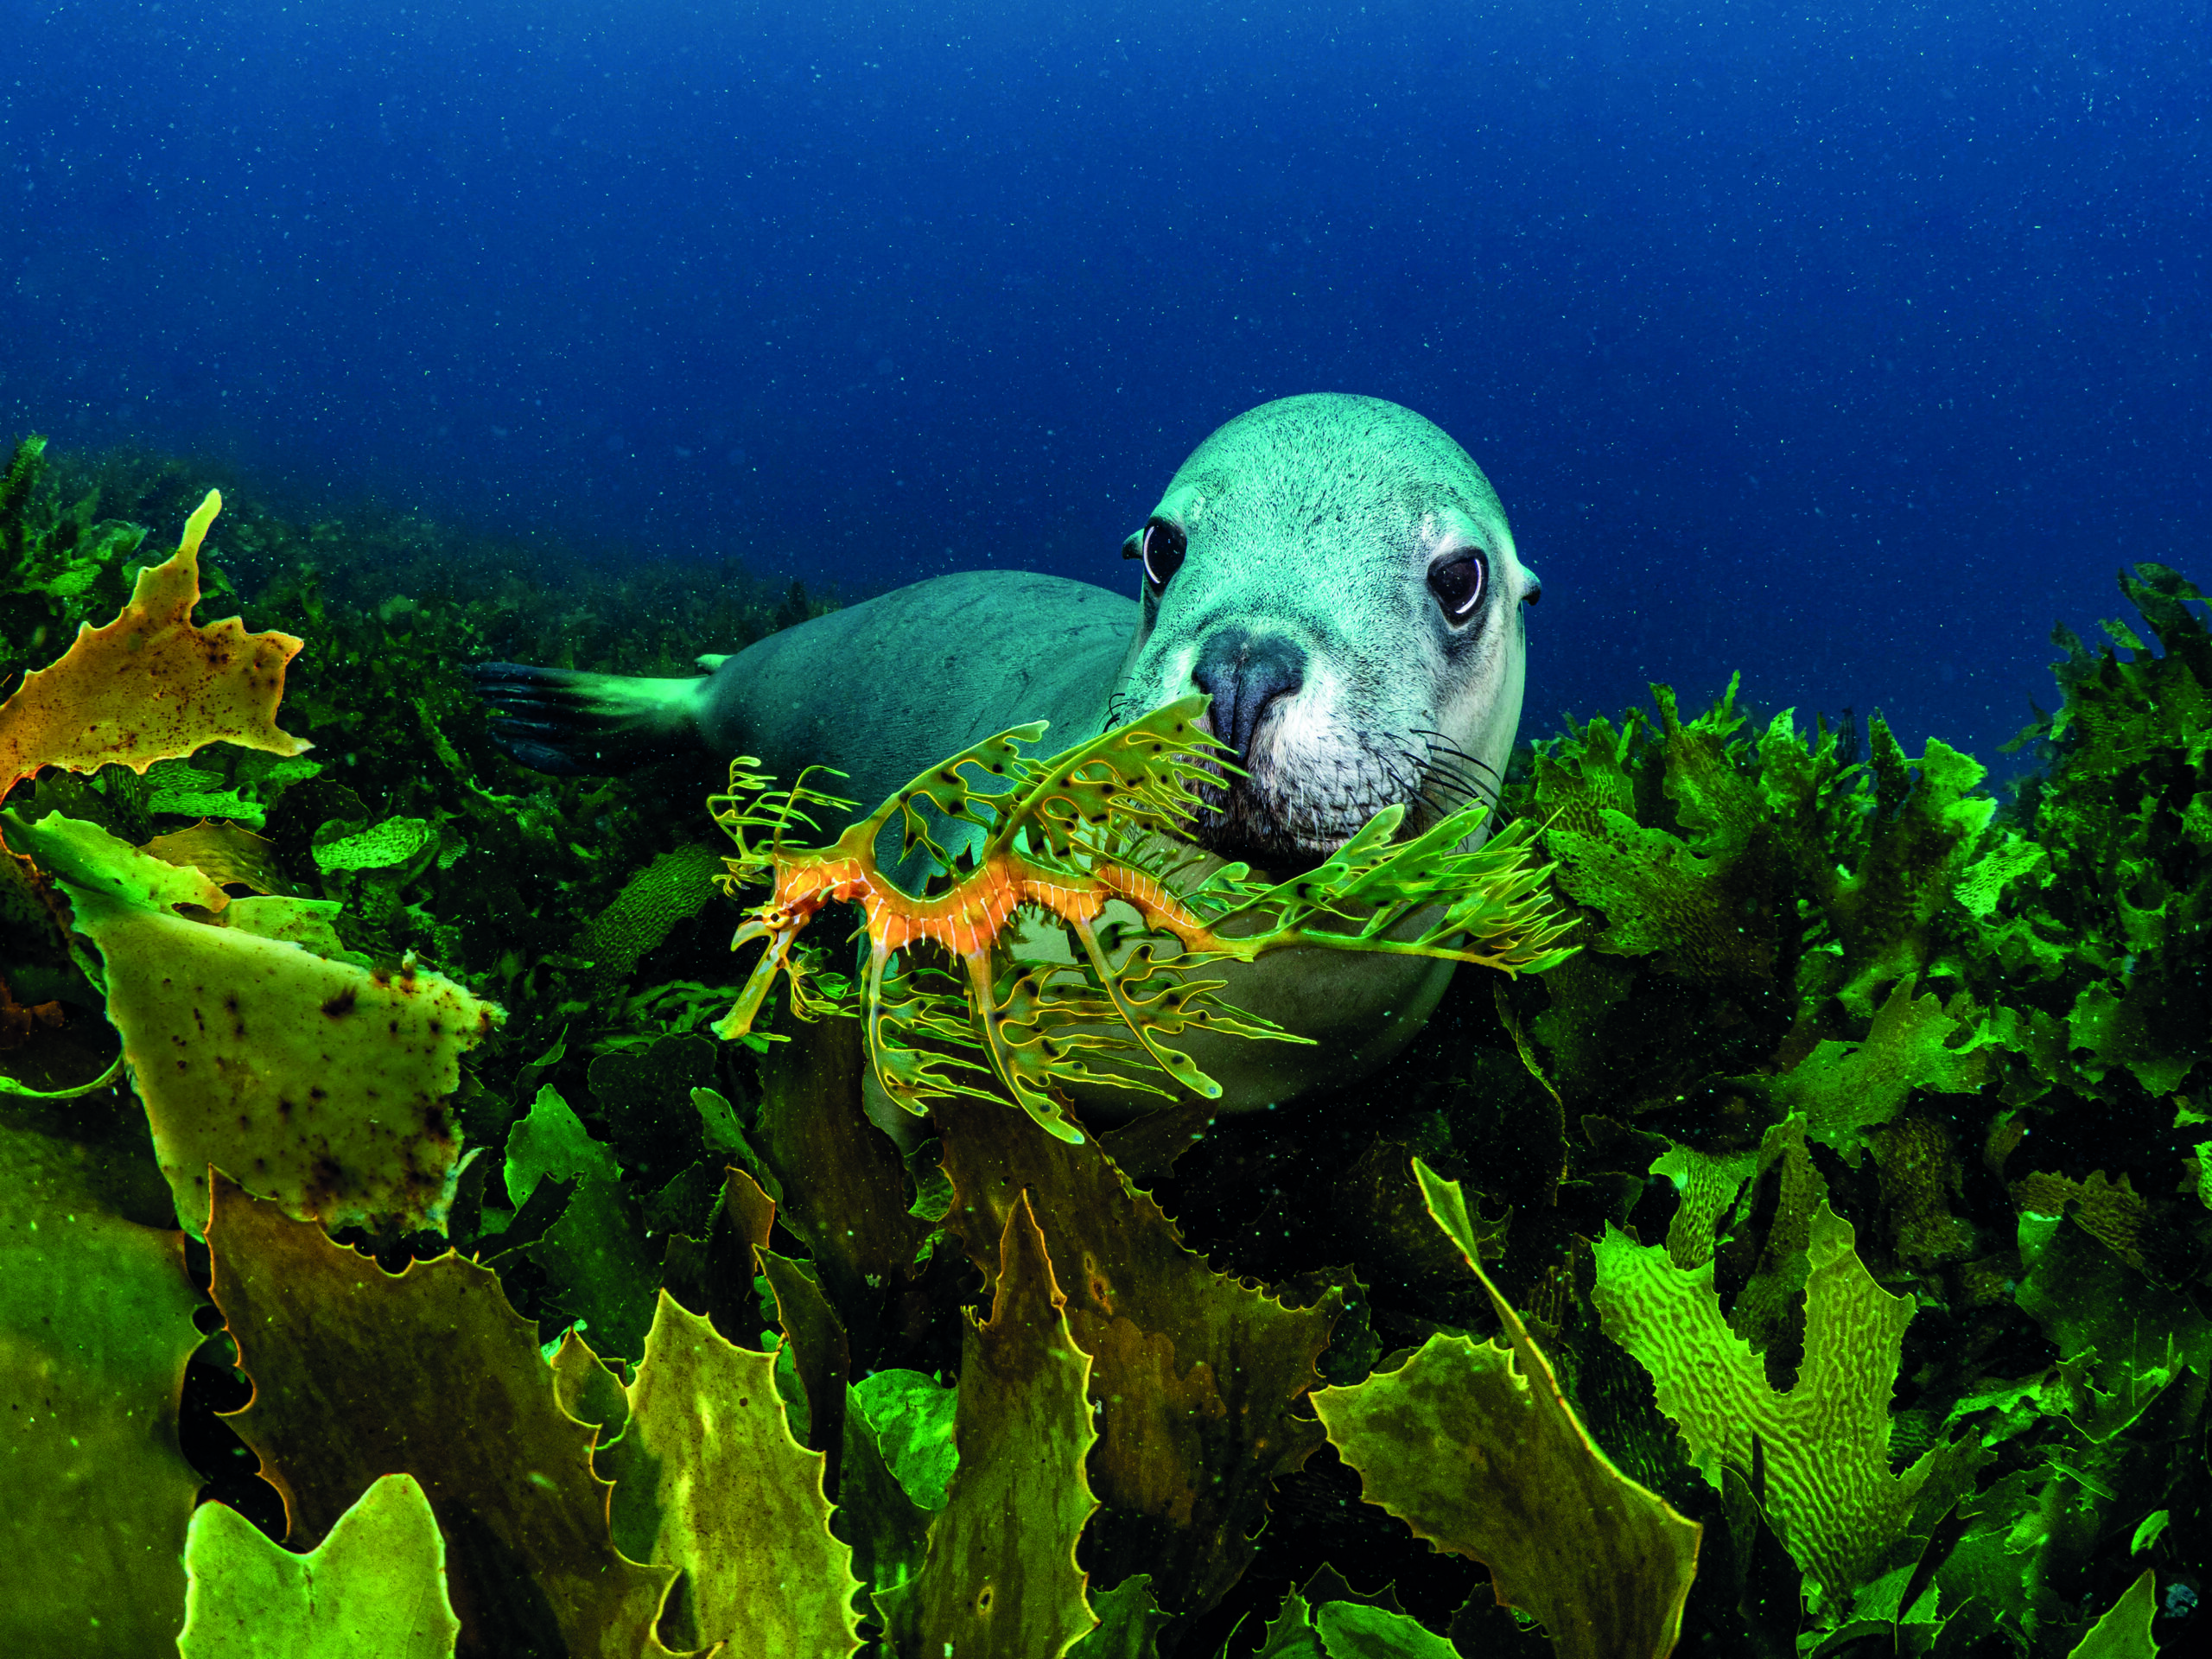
[
  {"x": 1163, "y": 549},
  {"x": 1459, "y": 585}
]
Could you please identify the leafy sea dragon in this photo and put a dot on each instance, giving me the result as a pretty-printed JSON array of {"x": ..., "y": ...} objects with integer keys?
[{"x": 1064, "y": 839}]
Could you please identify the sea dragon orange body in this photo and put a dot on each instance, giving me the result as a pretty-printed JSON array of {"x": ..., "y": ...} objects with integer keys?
[{"x": 1064, "y": 838}]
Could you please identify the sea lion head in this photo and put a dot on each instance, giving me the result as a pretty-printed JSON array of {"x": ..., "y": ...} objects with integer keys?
[{"x": 1338, "y": 576}]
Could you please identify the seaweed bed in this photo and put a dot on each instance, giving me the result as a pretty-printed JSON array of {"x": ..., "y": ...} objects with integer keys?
[{"x": 1853, "y": 1179}]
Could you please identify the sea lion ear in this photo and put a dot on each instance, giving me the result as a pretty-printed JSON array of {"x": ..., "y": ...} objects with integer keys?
[
  {"x": 1133, "y": 548},
  {"x": 1534, "y": 590}
]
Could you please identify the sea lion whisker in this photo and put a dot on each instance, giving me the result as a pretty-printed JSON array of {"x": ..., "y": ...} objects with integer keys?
[
  {"x": 1440, "y": 743},
  {"x": 1449, "y": 773}
]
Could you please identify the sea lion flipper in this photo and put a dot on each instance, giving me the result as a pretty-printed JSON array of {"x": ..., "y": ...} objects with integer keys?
[{"x": 569, "y": 723}]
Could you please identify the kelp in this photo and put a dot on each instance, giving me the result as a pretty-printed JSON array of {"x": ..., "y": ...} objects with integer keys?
[
  {"x": 257, "y": 1048},
  {"x": 376, "y": 1584},
  {"x": 1822, "y": 1449},
  {"x": 150, "y": 685},
  {"x": 1845, "y": 1192},
  {"x": 1058, "y": 840},
  {"x": 96, "y": 1327},
  {"x": 1477, "y": 1449}
]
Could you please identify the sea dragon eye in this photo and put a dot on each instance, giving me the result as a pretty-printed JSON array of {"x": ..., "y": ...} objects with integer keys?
[
  {"x": 1459, "y": 585},
  {"x": 1163, "y": 549}
]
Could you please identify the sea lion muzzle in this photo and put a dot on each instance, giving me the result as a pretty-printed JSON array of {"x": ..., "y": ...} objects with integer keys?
[{"x": 1244, "y": 674}]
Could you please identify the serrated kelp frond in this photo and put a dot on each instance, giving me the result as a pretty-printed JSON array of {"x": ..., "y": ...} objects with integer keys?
[{"x": 1061, "y": 840}]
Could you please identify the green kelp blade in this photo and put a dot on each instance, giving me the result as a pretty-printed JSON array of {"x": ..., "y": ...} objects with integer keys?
[
  {"x": 1475, "y": 1447},
  {"x": 599, "y": 1263},
  {"x": 1129, "y": 1622},
  {"x": 377, "y": 1585},
  {"x": 910, "y": 1414},
  {"x": 96, "y": 1327},
  {"x": 2123, "y": 1632},
  {"x": 1353, "y": 1630},
  {"x": 1197, "y": 1378},
  {"x": 1846, "y": 1519}
]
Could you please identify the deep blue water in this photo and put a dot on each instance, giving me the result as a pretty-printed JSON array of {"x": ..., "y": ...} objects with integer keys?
[{"x": 1849, "y": 345}]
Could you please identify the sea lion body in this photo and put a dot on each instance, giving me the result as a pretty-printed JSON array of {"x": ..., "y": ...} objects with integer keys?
[{"x": 1305, "y": 566}]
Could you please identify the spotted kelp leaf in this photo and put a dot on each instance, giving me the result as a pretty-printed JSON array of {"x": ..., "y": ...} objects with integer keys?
[
  {"x": 341, "y": 848},
  {"x": 1822, "y": 1447},
  {"x": 1474, "y": 1446},
  {"x": 952, "y": 1009},
  {"x": 1657, "y": 895},
  {"x": 225, "y": 781},
  {"x": 358, "y": 1373},
  {"x": 1197, "y": 1375},
  {"x": 150, "y": 685},
  {"x": 319, "y": 1083},
  {"x": 599, "y": 1264},
  {"x": 1001, "y": 1579},
  {"x": 707, "y": 1477},
  {"x": 95, "y": 1328},
  {"x": 376, "y": 1585},
  {"x": 1707, "y": 1183},
  {"x": 1771, "y": 1301},
  {"x": 2112, "y": 1213}
]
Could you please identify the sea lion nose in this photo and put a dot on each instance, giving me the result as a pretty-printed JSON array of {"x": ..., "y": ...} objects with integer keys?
[{"x": 1243, "y": 675}]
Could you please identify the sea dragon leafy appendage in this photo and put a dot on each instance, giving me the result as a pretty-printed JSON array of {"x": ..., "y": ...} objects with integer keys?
[{"x": 1062, "y": 840}]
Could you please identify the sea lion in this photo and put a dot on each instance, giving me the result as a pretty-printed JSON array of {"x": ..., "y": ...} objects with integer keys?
[{"x": 1334, "y": 571}]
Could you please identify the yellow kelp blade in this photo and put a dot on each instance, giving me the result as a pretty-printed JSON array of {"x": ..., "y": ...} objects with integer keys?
[
  {"x": 376, "y": 1585},
  {"x": 359, "y": 1373},
  {"x": 150, "y": 686},
  {"x": 1001, "y": 1580},
  {"x": 707, "y": 1468}
]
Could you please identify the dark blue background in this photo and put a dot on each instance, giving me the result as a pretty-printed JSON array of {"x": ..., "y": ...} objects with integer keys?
[{"x": 1844, "y": 345}]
